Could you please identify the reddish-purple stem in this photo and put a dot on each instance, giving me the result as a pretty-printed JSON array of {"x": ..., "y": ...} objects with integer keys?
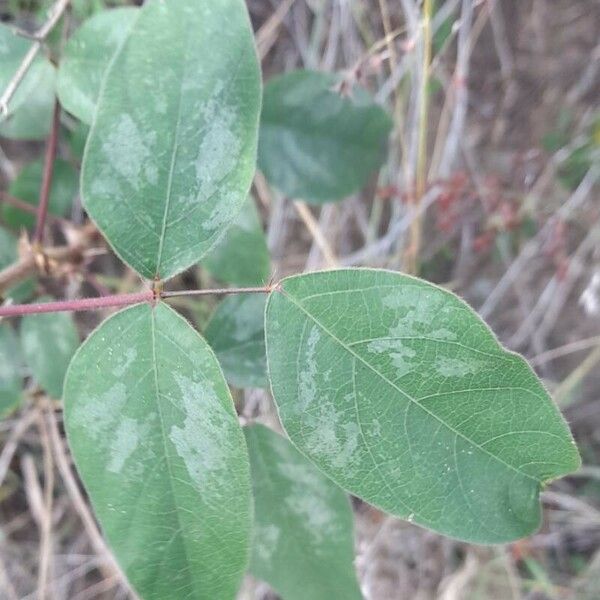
[
  {"x": 47, "y": 176},
  {"x": 17, "y": 310}
]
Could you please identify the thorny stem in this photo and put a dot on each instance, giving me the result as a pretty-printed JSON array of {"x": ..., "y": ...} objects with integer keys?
[
  {"x": 119, "y": 300},
  {"x": 49, "y": 160}
]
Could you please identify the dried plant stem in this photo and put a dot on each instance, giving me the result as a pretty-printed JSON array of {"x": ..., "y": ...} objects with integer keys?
[
  {"x": 46, "y": 523},
  {"x": 267, "y": 34},
  {"x": 412, "y": 254},
  {"x": 562, "y": 393},
  {"x": 28, "y": 264},
  {"x": 10, "y": 447},
  {"x": 39, "y": 36},
  {"x": 398, "y": 103},
  {"x": 318, "y": 236}
]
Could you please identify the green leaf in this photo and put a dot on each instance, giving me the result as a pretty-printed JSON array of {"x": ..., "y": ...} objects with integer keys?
[
  {"x": 86, "y": 58},
  {"x": 30, "y": 109},
  {"x": 236, "y": 334},
  {"x": 11, "y": 378},
  {"x": 242, "y": 256},
  {"x": 399, "y": 392},
  {"x": 49, "y": 342},
  {"x": 8, "y": 255},
  {"x": 26, "y": 187},
  {"x": 77, "y": 139},
  {"x": 318, "y": 144},
  {"x": 303, "y": 543},
  {"x": 171, "y": 153},
  {"x": 157, "y": 443}
]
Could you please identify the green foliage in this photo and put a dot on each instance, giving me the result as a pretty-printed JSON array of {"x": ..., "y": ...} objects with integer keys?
[
  {"x": 49, "y": 342},
  {"x": 30, "y": 110},
  {"x": 402, "y": 395},
  {"x": 86, "y": 58},
  {"x": 242, "y": 256},
  {"x": 11, "y": 366},
  {"x": 388, "y": 386},
  {"x": 152, "y": 428},
  {"x": 26, "y": 187},
  {"x": 8, "y": 254},
  {"x": 303, "y": 543},
  {"x": 236, "y": 334},
  {"x": 170, "y": 156},
  {"x": 318, "y": 143}
]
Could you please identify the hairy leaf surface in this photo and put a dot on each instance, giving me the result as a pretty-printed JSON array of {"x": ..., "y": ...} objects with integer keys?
[
  {"x": 399, "y": 392},
  {"x": 86, "y": 58},
  {"x": 171, "y": 153},
  {"x": 242, "y": 256},
  {"x": 49, "y": 342},
  {"x": 303, "y": 544},
  {"x": 157, "y": 443},
  {"x": 236, "y": 333},
  {"x": 316, "y": 142}
]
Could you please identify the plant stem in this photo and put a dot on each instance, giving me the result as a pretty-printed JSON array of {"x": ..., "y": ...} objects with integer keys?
[
  {"x": 218, "y": 291},
  {"x": 118, "y": 300},
  {"x": 26, "y": 265},
  {"x": 82, "y": 304},
  {"x": 412, "y": 258},
  {"x": 49, "y": 159}
]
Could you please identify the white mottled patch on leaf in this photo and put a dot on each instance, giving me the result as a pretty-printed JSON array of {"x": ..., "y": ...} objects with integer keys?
[
  {"x": 455, "y": 367},
  {"x": 98, "y": 414},
  {"x": 124, "y": 443},
  {"x": 202, "y": 441},
  {"x": 400, "y": 354},
  {"x": 266, "y": 538},
  {"x": 126, "y": 362},
  {"x": 308, "y": 386},
  {"x": 129, "y": 152}
]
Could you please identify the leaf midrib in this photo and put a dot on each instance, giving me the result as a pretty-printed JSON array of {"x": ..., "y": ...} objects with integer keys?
[
  {"x": 174, "y": 151},
  {"x": 291, "y": 299},
  {"x": 164, "y": 441}
]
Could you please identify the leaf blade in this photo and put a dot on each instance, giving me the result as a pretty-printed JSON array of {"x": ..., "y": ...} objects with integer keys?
[
  {"x": 303, "y": 542},
  {"x": 241, "y": 257},
  {"x": 163, "y": 179},
  {"x": 11, "y": 379},
  {"x": 86, "y": 57},
  {"x": 317, "y": 144},
  {"x": 235, "y": 332},
  {"x": 417, "y": 354},
  {"x": 49, "y": 342},
  {"x": 29, "y": 113},
  {"x": 170, "y": 484}
]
